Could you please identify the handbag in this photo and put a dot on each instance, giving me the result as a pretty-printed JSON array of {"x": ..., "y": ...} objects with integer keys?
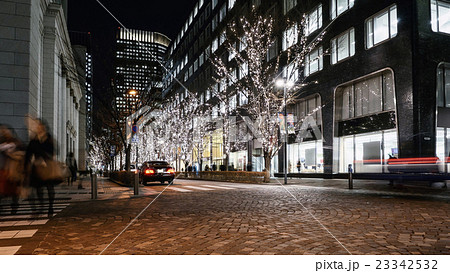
[
  {"x": 49, "y": 170},
  {"x": 7, "y": 187}
]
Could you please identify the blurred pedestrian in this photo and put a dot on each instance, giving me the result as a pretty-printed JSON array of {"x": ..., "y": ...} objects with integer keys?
[
  {"x": 11, "y": 166},
  {"x": 39, "y": 160},
  {"x": 214, "y": 167},
  {"x": 71, "y": 163}
]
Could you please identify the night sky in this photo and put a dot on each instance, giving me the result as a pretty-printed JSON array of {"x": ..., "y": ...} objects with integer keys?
[{"x": 164, "y": 16}]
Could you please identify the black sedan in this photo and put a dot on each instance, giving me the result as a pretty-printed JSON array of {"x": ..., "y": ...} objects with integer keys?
[{"x": 154, "y": 171}]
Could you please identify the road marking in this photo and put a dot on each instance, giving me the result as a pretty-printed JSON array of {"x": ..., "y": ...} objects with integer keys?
[
  {"x": 149, "y": 191},
  {"x": 240, "y": 186},
  {"x": 29, "y": 206},
  {"x": 25, "y": 212},
  {"x": 178, "y": 189},
  {"x": 24, "y": 216},
  {"x": 9, "y": 250},
  {"x": 12, "y": 234},
  {"x": 198, "y": 188},
  {"x": 23, "y": 223},
  {"x": 218, "y": 187}
]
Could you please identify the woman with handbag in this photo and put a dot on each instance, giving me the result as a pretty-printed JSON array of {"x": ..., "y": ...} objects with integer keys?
[{"x": 39, "y": 161}]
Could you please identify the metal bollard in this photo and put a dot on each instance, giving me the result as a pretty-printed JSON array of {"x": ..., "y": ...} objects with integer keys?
[
  {"x": 94, "y": 186},
  {"x": 350, "y": 176},
  {"x": 136, "y": 184}
]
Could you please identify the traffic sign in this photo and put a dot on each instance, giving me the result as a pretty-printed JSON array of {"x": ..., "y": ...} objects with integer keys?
[{"x": 135, "y": 128}]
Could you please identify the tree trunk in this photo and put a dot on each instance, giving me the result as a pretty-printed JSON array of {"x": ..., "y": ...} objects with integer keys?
[
  {"x": 267, "y": 160},
  {"x": 227, "y": 158}
]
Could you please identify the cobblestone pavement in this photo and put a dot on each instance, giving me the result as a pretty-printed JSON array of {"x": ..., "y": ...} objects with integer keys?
[{"x": 229, "y": 218}]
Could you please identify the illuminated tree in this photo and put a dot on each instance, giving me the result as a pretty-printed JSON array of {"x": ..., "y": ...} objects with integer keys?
[{"x": 251, "y": 73}]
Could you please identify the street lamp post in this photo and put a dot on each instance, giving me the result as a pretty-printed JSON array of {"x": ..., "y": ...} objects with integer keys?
[
  {"x": 285, "y": 84},
  {"x": 134, "y": 92}
]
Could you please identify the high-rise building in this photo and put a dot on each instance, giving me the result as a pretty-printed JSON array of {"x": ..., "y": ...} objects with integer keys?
[
  {"x": 82, "y": 48},
  {"x": 139, "y": 66}
]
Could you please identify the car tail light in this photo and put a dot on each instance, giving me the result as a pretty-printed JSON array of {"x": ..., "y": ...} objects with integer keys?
[
  {"x": 170, "y": 170},
  {"x": 149, "y": 171}
]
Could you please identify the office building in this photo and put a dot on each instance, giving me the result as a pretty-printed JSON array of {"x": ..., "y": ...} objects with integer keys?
[{"x": 381, "y": 89}]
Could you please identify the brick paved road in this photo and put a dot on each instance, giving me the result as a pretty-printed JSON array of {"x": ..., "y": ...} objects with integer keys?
[{"x": 250, "y": 219}]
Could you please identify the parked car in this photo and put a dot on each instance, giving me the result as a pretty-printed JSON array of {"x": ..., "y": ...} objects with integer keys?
[{"x": 154, "y": 171}]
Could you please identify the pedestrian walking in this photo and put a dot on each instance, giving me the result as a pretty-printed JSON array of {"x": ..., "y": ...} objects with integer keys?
[
  {"x": 214, "y": 167},
  {"x": 11, "y": 166},
  {"x": 71, "y": 163},
  {"x": 43, "y": 169}
]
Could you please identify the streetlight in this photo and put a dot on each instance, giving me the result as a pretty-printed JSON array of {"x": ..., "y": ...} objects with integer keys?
[{"x": 285, "y": 84}]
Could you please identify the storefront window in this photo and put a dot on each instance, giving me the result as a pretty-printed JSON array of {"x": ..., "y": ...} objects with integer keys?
[
  {"x": 443, "y": 116},
  {"x": 305, "y": 157},
  {"x": 367, "y": 153},
  {"x": 238, "y": 161},
  {"x": 365, "y": 123},
  {"x": 443, "y": 147},
  {"x": 217, "y": 147}
]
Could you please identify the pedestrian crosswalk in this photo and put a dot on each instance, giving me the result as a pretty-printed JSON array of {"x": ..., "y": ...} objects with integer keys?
[
  {"x": 207, "y": 187},
  {"x": 22, "y": 223}
]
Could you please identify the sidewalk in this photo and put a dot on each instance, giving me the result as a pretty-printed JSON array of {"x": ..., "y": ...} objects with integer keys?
[
  {"x": 105, "y": 190},
  {"x": 410, "y": 188}
]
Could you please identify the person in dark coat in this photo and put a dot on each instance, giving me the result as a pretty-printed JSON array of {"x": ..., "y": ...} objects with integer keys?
[
  {"x": 71, "y": 163},
  {"x": 214, "y": 167},
  {"x": 40, "y": 150}
]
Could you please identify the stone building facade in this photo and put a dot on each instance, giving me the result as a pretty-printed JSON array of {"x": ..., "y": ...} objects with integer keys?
[{"x": 38, "y": 74}]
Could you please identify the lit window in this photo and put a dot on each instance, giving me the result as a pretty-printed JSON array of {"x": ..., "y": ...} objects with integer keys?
[
  {"x": 314, "y": 20},
  {"x": 243, "y": 97},
  {"x": 313, "y": 61},
  {"x": 290, "y": 73},
  {"x": 339, "y": 6},
  {"x": 207, "y": 94},
  {"x": 243, "y": 70},
  {"x": 231, "y": 4},
  {"x": 214, "y": 45},
  {"x": 214, "y": 3},
  {"x": 443, "y": 86},
  {"x": 232, "y": 102},
  {"x": 343, "y": 46},
  {"x": 288, "y": 5},
  {"x": 223, "y": 12},
  {"x": 215, "y": 22},
  {"x": 381, "y": 27},
  {"x": 223, "y": 37},
  {"x": 242, "y": 43},
  {"x": 196, "y": 10},
  {"x": 440, "y": 16},
  {"x": 232, "y": 52},
  {"x": 201, "y": 59},
  {"x": 290, "y": 36}
]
